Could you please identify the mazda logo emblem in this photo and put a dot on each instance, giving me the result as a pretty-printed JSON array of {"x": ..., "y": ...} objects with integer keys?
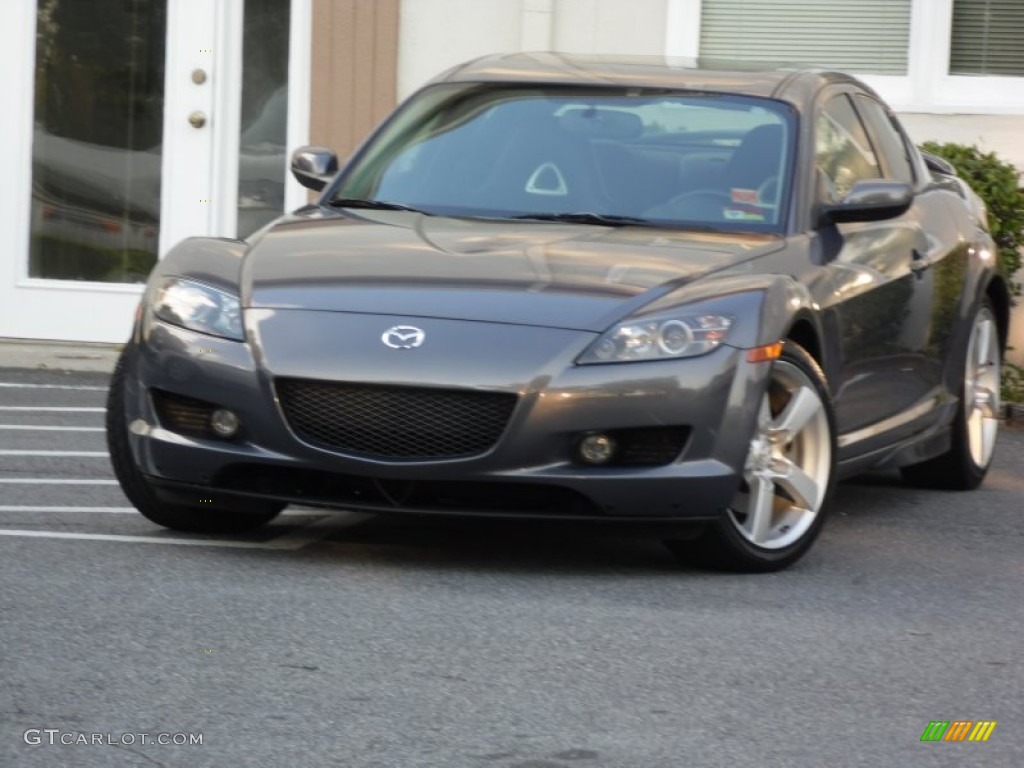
[{"x": 403, "y": 337}]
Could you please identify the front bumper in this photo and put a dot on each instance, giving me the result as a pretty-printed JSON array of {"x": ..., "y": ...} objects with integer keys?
[{"x": 529, "y": 471}]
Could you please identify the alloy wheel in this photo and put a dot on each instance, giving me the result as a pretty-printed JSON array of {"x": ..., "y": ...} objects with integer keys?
[
  {"x": 981, "y": 388},
  {"x": 786, "y": 472}
]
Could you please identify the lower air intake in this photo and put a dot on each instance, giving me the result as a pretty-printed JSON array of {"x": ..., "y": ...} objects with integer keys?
[{"x": 390, "y": 422}]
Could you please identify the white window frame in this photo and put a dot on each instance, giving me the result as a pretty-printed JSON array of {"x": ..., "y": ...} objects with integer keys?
[
  {"x": 927, "y": 86},
  {"x": 300, "y": 88}
]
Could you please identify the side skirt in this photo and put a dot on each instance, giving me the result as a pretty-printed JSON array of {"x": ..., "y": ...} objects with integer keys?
[{"x": 913, "y": 450}]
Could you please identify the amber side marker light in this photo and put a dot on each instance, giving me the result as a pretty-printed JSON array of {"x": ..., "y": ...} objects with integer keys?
[{"x": 766, "y": 353}]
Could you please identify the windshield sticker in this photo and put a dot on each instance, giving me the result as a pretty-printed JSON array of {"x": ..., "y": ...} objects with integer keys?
[
  {"x": 749, "y": 196},
  {"x": 742, "y": 214}
]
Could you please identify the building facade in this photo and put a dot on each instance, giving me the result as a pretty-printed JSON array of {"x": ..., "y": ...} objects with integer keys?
[{"x": 136, "y": 123}]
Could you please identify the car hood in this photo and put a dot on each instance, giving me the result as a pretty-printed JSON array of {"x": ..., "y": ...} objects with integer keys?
[{"x": 525, "y": 272}]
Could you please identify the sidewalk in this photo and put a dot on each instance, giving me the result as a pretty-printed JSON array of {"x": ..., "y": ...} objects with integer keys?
[{"x": 58, "y": 355}]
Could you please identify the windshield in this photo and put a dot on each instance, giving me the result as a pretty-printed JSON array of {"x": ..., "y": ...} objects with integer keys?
[{"x": 585, "y": 155}]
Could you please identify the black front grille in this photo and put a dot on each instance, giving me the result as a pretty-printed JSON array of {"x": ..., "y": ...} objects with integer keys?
[{"x": 395, "y": 422}]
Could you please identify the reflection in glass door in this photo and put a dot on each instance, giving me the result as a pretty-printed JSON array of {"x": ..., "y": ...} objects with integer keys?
[
  {"x": 134, "y": 124},
  {"x": 97, "y": 139},
  {"x": 107, "y": 167},
  {"x": 262, "y": 160}
]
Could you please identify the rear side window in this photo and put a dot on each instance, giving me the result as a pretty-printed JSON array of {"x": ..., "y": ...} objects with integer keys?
[
  {"x": 887, "y": 139},
  {"x": 843, "y": 151}
]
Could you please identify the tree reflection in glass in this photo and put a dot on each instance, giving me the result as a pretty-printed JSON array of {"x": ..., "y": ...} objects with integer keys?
[{"x": 96, "y": 154}]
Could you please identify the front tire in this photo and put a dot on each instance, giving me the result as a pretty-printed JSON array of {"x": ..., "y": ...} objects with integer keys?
[
  {"x": 788, "y": 475},
  {"x": 965, "y": 464},
  {"x": 174, "y": 516}
]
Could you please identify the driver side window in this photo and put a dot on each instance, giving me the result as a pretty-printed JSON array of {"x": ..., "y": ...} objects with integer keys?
[{"x": 842, "y": 149}]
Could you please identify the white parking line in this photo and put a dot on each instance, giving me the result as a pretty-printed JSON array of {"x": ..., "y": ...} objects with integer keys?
[
  {"x": 51, "y": 409},
  {"x": 54, "y": 481},
  {"x": 140, "y": 539},
  {"x": 291, "y": 541},
  {"x": 290, "y": 512},
  {"x": 16, "y": 385},
  {"x": 54, "y": 453},
  {"x": 30, "y": 428},
  {"x": 116, "y": 510}
]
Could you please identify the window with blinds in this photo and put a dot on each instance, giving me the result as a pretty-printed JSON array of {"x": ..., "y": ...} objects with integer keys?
[
  {"x": 863, "y": 36},
  {"x": 988, "y": 38}
]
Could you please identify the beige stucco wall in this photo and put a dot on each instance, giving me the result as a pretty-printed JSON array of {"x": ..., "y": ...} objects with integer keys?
[
  {"x": 609, "y": 26},
  {"x": 437, "y": 34},
  {"x": 1016, "y": 335}
]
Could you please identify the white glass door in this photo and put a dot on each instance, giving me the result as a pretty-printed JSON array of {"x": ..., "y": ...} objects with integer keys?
[{"x": 124, "y": 139}]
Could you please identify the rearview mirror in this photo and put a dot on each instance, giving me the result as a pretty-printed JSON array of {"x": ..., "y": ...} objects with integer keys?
[
  {"x": 601, "y": 123},
  {"x": 313, "y": 167},
  {"x": 870, "y": 201}
]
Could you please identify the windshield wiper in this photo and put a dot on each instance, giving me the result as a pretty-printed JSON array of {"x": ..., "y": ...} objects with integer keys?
[
  {"x": 374, "y": 205},
  {"x": 586, "y": 217}
]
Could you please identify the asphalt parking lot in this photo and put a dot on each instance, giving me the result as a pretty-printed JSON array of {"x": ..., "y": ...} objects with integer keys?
[{"x": 366, "y": 642}]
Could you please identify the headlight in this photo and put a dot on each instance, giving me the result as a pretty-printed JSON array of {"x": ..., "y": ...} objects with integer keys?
[
  {"x": 670, "y": 336},
  {"x": 199, "y": 307}
]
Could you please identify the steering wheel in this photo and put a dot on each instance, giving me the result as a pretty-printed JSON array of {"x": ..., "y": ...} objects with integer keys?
[
  {"x": 711, "y": 195},
  {"x": 695, "y": 204}
]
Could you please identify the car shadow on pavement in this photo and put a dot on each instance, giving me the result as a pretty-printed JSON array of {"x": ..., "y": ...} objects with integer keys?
[{"x": 520, "y": 545}]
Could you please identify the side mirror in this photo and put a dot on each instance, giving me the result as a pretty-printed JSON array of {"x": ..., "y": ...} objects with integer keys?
[
  {"x": 870, "y": 201},
  {"x": 313, "y": 167}
]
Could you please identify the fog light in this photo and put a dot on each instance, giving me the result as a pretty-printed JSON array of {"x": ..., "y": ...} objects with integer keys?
[
  {"x": 224, "y": 422},
  {"x": 597, "y": 449},
  {"x": 139, "y": 427}
]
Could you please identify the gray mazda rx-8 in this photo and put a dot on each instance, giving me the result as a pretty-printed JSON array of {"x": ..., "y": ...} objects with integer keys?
[{"x": 578, "y": 287}]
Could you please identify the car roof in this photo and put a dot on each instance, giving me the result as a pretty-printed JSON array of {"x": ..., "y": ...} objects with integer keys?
[{"x": 793, "y": 84}]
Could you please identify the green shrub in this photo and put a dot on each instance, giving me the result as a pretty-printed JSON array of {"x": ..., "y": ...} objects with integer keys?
[{"x": 1012, "y": 389}]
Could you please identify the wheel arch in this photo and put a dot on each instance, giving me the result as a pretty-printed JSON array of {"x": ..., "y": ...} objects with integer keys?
[
  {"x": 998, "y": 293},
  {"x": 805, "y": 332},
  {"x": 808, "y": 329}
]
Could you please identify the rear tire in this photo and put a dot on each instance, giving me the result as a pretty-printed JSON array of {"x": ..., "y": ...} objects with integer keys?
[
  {"x": 788, "y": 476},
  {"x": 965, "y": 464},
  {"x": 140, "y": 494}
]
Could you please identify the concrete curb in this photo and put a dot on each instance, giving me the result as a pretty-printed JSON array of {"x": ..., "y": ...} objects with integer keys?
[{"x": 58, "y": 355}]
